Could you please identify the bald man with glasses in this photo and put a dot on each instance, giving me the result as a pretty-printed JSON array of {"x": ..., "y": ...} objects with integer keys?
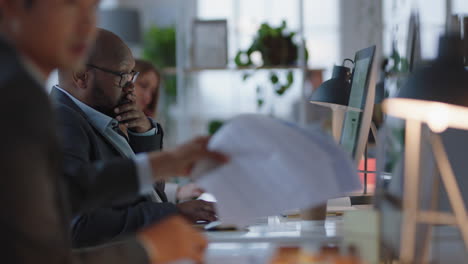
[
  {"x": 99, "y": 121},
  {"x": 124, "y": 77}
]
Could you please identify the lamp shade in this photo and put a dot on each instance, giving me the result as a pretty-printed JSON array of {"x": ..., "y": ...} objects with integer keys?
[
  {"x": 334, "y": 92},
  {"x": 124, "y": 22},
  {"x": 436, "y": 94}
]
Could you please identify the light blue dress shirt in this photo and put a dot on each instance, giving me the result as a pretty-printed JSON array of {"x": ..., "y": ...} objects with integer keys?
[{"x": 106, "y": 125}]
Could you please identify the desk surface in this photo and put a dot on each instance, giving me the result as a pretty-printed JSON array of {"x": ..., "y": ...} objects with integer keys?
[
  {"x": 256, "y": 244},
  {"x": 282, "y": 230}
]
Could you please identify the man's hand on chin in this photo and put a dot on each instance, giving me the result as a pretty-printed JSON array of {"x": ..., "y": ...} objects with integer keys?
[{"x": 129, "y": 115}]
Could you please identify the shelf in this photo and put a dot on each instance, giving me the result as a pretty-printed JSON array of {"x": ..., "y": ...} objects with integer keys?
[
  {"x": 173, "y": 71},
  {"x": 196, "y": 69}
]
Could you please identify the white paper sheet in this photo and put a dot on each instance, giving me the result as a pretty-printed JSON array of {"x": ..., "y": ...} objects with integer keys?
[{"x": 273, "y": 167}]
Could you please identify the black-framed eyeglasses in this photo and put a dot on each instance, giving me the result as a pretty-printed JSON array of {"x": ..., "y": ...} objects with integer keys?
[{"x": 125, "y": 77}]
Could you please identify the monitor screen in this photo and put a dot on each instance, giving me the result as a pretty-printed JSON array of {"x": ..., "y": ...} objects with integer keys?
[
  {"x": 357, "y": 99},
  {"x": 358, "y": 85}
]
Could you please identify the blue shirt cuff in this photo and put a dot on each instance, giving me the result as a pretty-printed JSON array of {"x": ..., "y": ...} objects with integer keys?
[
  {"x": 171, "y": 192},
  {"x": 144, "y": 173},
  {"x": 150, "y": 132}
]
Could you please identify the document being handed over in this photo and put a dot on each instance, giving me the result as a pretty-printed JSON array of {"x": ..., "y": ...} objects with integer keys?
[{"x": 274, "y": 167}]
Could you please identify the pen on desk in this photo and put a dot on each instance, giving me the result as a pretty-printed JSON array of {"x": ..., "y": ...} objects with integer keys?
[{"x": 334, "y": 213}]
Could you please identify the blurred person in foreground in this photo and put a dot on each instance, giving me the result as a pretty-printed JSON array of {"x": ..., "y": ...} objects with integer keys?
[
  {"x": 147, "y": 90},
  {"x": 38, "y": 36},
  {"x": 99, "y": 121}
]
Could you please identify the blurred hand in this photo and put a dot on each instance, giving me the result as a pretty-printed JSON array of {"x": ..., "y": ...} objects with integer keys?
[
  {"x": 129, "y": 115},
  {"x": 197, "y": 210},
  {"x": 188, "y": 192},
  {"x": 180, "y": 160},
  {"x": 173, "y": 239}
]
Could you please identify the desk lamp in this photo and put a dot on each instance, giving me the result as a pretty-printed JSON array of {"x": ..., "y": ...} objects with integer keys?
[
  {"x": 436, "y": 95},
  {"x": 334, "y": 94}
]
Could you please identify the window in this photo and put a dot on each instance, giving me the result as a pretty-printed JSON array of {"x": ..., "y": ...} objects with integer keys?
[
  {"x": 108, "y": 3},
  {"x": 321, "y": 23},
  {"x": 222, "y": 94},
  {"x": 460, "y": 7},
  {"x": 432, "y": 19},
  {"x": 396, "y": 19}
]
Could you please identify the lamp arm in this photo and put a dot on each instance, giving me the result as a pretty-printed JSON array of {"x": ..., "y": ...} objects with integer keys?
[
  {"x": 350, "y": 60},
  {"x": 373, "y": 128}
]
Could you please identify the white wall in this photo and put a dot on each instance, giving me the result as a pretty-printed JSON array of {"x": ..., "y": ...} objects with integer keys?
[
  {"x": 159, "y": 12},
  {"x": 361, "y": 26}
]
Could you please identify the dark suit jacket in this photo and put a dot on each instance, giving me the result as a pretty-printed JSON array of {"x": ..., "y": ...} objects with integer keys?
[
  {"x": 84, "y": 145},
  {"x": 36, "y": 206}
]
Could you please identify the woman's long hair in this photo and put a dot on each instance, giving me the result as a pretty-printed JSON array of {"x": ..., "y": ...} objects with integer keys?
[{"x": 142, "y": 67}]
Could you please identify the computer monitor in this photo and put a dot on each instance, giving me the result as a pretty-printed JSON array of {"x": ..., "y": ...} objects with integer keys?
[
  {"x": 413, "y": 43},
  {"x": 358, "y": 119},
  {"x": 465, "y": 37}
]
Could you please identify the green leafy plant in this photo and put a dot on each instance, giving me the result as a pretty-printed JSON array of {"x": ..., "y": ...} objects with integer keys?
[
  {"x": 277, "y": 48},
  {"x": 399, "y": 65},
  {"x": 214, "y": 126},
  {"x": 275, "y": 44},
  {"x": 159, "y": 47}
]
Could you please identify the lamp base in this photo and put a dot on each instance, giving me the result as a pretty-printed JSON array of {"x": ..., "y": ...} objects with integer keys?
[{"x": 361, "y": 199}]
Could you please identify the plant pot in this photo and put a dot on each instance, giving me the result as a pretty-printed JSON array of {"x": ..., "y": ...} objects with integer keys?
[{"x": 278, "y": 51}]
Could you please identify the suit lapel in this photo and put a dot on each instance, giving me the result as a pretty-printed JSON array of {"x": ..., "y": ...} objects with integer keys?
[
  {"x": 60, "y": 97},
  {"x": 113, "y": 144},
  {"x": 122, "y": 147}
]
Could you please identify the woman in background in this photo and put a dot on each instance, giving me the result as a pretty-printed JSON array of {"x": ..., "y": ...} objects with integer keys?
[
  {"x": 147, "y": 95},
  {"x": 147, "y": 87}
]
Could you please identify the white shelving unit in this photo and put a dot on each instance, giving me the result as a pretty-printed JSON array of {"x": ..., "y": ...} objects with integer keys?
[{"x": 197, "y": 87}]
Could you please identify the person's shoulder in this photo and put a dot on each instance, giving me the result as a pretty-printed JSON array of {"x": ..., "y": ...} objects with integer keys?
[
  {"x": 70, "y": 123},
  {"x": 16, "y": 82},
  {"x": 25, "y": 106},
  {"x": 67, "y": 114},
  {"x": 63, "y": 105}
]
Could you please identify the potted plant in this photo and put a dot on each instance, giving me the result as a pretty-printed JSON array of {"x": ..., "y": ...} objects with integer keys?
[
  {"x": 277, "y": 48},
  {"x": 275, "y": 44}
]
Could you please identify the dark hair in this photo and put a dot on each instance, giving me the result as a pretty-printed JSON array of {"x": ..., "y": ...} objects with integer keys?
[
  {"x": 28, "y": 3},
  {"x": 142, "y": 67}
]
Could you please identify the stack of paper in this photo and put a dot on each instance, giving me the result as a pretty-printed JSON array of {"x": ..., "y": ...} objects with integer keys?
[{"x": 274, "y": 167}]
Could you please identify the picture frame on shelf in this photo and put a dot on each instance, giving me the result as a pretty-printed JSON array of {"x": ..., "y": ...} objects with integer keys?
[{"x": 209, "y": 44}]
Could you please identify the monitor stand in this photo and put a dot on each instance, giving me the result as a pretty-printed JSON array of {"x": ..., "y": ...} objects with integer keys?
[{"x": 365, "y": 198}]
